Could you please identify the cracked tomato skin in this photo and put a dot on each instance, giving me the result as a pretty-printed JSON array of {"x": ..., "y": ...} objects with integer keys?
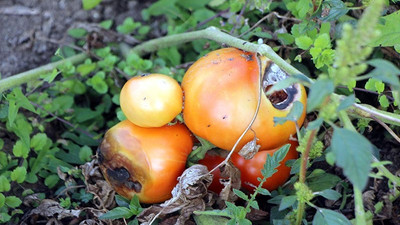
[
  {"x": 251, "y": 169},
  {"x": 144, "y": 161},
  {"x": 151, "y": 100},
  {"x": 220, "y": 98}
]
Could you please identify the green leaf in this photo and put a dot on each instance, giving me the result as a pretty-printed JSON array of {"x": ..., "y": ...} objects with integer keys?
[
  {"x": 51, "y": 181},
  {"x": 303, "y": 42},
  {"x": 274, "y": 161},
  {"x": 171, "y": 55},
  {"x": 320, "y": 180},
  {"x": 2, "y": 200},
  {"x": 337, "y": 9},
  {"x": 4, "y": 217},
  {"x": 323, "y": 41},
  {"x": 346, "y": 102},
  {"x": 128, "y": 26},
  {"x": 329, "y": 217},
  {"x": 77, "y": 32},
  {"x": 286, "y": 38},
  {"x": 121, "y": 201},
  {"x": 106, "y": 24},
  {"x": 330, "y": 194},
  {"x": 389, "y": 31},
  {"x": 209, "y": 220},
  {"x": 13, "y": 202},
  {"x": 384, "y": 101},
  {"x": 353, "y": 154},
  {"x": 90, "y": 4},
  {"x": 85, "y": 69},
  {"x": 85, "y": 154},
  {"x": 385, "y": 71},
  {"x": 117, "y": 213},
  {"x": 318, "y": 92},
  {"x": 18, "y": 174},
  {"x": 287, "y": 202},
  {"x": 40, "y": 141},
  {"x": 98, "y": 82},
  {"x": 4, "y": 184},
  {"x": 294, "y": 114},
  {"x": 241, "y": 194},
  {"x": 20, "y": 150}
]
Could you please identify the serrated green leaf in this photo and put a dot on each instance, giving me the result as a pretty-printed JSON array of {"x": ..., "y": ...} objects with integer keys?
[
  {"x": 241, "y": 194},
  {"x": 330, "y": 194},
  {"x": 337, "y": 9},
  {"x": 20, "y": 150},
  {"x": 106, "y": 24},
  {"x": 273, "y": 161},
  {"x": 353, "y": 154},
  {"x": 287, "y": 202},
  {"x": 303, "y": 42},
  {"x": 389, "y": 31},
  {"x": 90, "y": 4},
  {"x": 209, "y": 220},
  {"x": 286, "y": 38},
  {"x": 330, "y": 217},
  {"x": 128, "y": 26},
  {"x": 318, "y": 92},
  {"x": 13, "y": 202},
  {"x": 323, "y": 41},
  {"x": 117, "y": 213},
  {"x": 40, "y": 141},
  {"x": 85, "y": 69},
  {"x": 4, "y": 184},
  {"x": 18, "y": 174}
]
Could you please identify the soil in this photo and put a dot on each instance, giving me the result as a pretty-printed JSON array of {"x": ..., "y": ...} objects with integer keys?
[{"x": 32, "y": 30}]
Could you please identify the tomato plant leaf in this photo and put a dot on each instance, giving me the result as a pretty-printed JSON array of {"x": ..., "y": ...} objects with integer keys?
[
  {"x": 389, "y": 31},
  {"x": 287, "y": 202},
  {"x": 274, "y": 161},
  {"x": 337, "y": 9},
  {"x": 354, "y": 154},
  {"x": 294, "y": 114},
  {"x": 320, "y": 180},
  {"x": 346, "y": 102},
  {"x": 318, "y": 92}
]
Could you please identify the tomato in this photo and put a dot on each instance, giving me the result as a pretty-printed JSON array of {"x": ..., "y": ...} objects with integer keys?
[
  {"x": 151, "y": 100},
  {"x": 251, "y": 169},
  {"x": 144, "y": 161},
  {"x": 221, "y": 94},
  {"x": 211, "y": 160}
]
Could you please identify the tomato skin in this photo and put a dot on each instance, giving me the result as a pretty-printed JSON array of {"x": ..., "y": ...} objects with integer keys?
[
  {"x": 151, "y": 100},
  {"x": 220, "y": 98},
  {"x": 251, "y": 169},
  {"x": 211, "y": 160},
  {"x": 153, "y": 157}
]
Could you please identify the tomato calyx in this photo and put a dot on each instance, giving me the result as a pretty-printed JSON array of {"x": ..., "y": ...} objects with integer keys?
[{"x": 279, "y": 99}]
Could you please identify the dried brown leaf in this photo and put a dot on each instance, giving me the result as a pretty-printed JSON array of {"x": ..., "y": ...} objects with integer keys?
[
  {"x": 50, "y": 208},
  {"x": 256, "y": 214},
  {"x": 250, "y": 149},
  {"x": 233, "y": 182},
  {"x": 100, "y": 188},
  {"x": 187, "y": 196}
]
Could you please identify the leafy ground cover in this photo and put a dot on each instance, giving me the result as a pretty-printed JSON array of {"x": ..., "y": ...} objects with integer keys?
[{"x": 52, "y": 118}]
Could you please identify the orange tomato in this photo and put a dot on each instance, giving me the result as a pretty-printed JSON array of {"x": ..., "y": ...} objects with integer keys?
[
  {"x": 151, "y": 100},
  {"x": 221, "y": 95},
  {"x": 144, "y": 161}
]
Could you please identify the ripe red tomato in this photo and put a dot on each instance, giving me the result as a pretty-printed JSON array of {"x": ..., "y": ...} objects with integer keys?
[
  {"x": 251, "y": 169},
  {"x": 144, "y": 161},
  {"x": 221, "y": 94},
  {"x": 211, "y": 160},
  {"x": 151, "y": 100}
]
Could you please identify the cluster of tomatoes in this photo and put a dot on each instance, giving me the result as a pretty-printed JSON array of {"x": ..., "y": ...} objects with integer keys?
[{"x": 145, "y": 154}]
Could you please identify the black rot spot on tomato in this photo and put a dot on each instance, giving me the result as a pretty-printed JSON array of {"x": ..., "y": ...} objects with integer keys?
[
  {"x": 119, "y": 174},
  {"x": 224, "y": 117},
  {"x": 209, "y": 125},
  {"x": 230, "y": 59},
  {"x": 134, "y": 185},
  {"x": 145, "y": 74},
  {"x": 248, "y": 57}
]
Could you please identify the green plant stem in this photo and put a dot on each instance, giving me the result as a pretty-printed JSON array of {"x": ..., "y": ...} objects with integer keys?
[
  {"x": 358, "y": 201},
  {"x": 302, "y": 175},
  {"x": 24, "y": 77},
  {"x": 210, "y": 33}
]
